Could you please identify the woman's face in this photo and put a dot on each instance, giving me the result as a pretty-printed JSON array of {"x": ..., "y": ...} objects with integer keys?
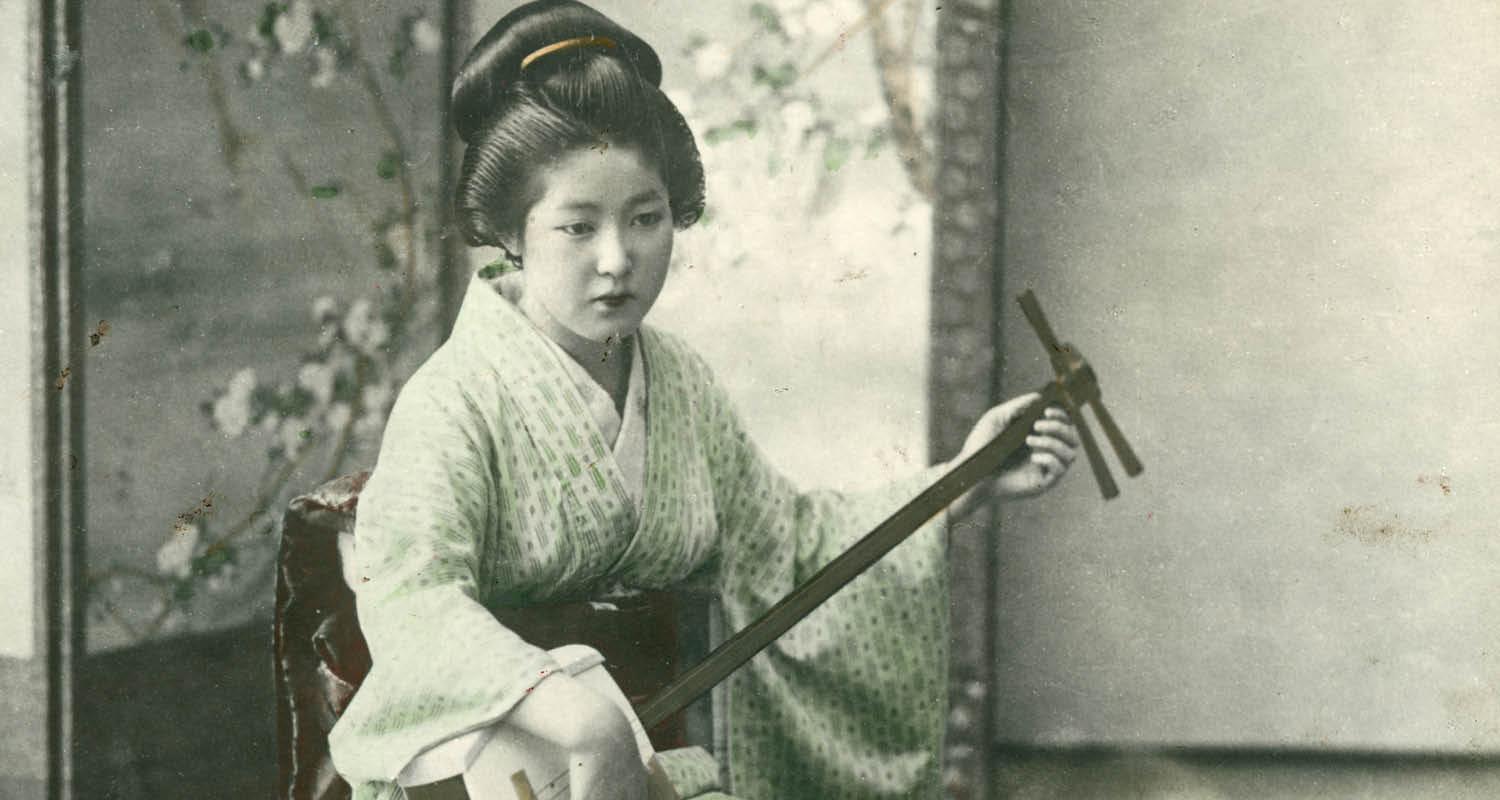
[{"x": 596, "y": 244}]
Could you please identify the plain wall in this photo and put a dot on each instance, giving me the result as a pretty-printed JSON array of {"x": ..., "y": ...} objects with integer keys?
[{"x": 1272, "y": 229}]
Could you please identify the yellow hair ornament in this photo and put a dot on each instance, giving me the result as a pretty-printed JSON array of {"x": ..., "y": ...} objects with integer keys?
[{"x": 568, "y": 44}]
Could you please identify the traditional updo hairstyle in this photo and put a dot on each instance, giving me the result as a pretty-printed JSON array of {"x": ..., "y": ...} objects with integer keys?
[{"x": 553, "y": 76}]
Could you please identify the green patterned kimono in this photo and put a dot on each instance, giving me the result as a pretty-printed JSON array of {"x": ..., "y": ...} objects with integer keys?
[{"x": 494, "y": 487}]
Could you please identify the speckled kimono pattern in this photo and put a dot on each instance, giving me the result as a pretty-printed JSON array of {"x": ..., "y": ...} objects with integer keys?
[{"x": 494, "y": 487}]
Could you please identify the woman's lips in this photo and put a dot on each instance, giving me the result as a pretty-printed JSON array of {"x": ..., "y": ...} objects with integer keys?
[{"x": 614, "y": 300}]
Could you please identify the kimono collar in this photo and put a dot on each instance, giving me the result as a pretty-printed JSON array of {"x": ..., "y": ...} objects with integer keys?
[
  {"x": 492, "y": 328},
  {"x": 492, "y": 323}
]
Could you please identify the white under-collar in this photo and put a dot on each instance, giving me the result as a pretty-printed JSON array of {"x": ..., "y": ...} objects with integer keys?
[{"x": 624, "y": 432}]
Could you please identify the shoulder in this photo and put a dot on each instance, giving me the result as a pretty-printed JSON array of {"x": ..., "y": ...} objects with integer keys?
[
  {"x": 448, "y": 391},
  {"x": 670, "y": 357}
]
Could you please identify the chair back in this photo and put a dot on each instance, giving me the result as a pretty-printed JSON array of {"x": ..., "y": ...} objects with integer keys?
[{"x": 321, "y": 657}]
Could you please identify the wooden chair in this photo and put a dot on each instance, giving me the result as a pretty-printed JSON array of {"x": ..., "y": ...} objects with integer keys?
[{"x": 321, "y": 657}]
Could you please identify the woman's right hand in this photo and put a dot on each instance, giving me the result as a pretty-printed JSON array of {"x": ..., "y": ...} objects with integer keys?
[{"x": 592, "y": 730}]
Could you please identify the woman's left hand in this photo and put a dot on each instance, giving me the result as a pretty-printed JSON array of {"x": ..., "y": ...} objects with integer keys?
[{"x": 1031, "y": 470}]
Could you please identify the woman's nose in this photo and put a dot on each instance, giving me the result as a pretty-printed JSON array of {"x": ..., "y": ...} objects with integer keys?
[{"x": 614, "y": 254}]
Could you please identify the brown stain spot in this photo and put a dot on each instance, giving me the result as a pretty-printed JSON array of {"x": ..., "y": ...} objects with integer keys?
[
  {"x": 1443, "y": 482},
  {"x": 1371, "y": 525},
  {"x": 186, "y": 519},
  {"x": 852, "y": 275},
  {"x": 62, "y": 378},
  {"x": 100, "y": 331}
]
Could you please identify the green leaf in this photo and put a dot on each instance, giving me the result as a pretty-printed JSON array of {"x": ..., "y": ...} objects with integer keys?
[
  {"x": 266, "y": 27},
  {"x": 325, "y": 29},
  {"x": 182, "y": 591},
  {"x": 263, "y": 399},
  {"x": 345, "y": 390},
  {"x": 326, "y": 191},
  {"x": 389, "y": 165},
  {"x": 767, "y": 17},
  {"x": 200, "y": 41},
  {"x": 496, "y": 268},
  {"x": 743, "y": 127},
  {"x": 385, "y": 257},
  {"x": 212, "y": 561},
  {"x": 778, "y": 77},
  {"x": 836, "y": 152}
]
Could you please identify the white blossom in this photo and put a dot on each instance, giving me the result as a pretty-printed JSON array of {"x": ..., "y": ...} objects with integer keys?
[
  {"x": 792, "y": 24},
  {"x": 368, "y": 425},
  {"x": 848, "y": 11},
  {"x": 786, "y": 7},
  {"x": 363, "y": 329},
  {"x": 324, "y": 308},
  {"x": 317, "y": 378},
  {"x": 232, "y": 410},
  {"x": 325, "y": 66},
  {"x": 425, "y": 36},
  {"x": 175, "y": 558},
  {"x": 821, "y": 20},
  {"x": 293, "y": 28},
  {"x": 377, "y": 397},
  {"x": 797, "y": 118},
  {"x": 253, "y": 69},
  {"x": 712, "y": 60},
  {"x": 337, "y": 416},
  {"x": 221, "y": 580},
  {"x": 398, "y": 239},
  {"x": 174, "y": 621}
]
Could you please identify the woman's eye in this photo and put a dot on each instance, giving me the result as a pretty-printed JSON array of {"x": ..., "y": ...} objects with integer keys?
[
  {"x": 648, "y": 219},
  {"x": 577, "y": 228}
]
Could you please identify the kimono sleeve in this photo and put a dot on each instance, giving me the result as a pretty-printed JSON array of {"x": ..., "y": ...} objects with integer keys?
[
  {"x": 850, "y": 703},
  {"x": 442, "y": 664}
]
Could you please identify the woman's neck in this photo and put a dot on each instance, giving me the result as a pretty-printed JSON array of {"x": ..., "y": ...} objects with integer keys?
[{"x": 607, "y": 362}]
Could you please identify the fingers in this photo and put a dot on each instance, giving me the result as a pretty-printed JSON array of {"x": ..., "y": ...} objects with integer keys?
[
  {"x": 1009, "y": 409},
  {"x": 1059, "y": 451},
  {"x": 1057, "y": 430},
  {"x": 1050, "y": 470}
]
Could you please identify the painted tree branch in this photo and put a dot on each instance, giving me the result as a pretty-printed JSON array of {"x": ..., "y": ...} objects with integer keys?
[
  {"x": 232, "y": 141},
  {"x": 392, "y": 129},
  {"x": 895, "y": 65}
]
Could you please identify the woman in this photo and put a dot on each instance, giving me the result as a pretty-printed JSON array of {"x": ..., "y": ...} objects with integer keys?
[{"x": 554, "y": 448}]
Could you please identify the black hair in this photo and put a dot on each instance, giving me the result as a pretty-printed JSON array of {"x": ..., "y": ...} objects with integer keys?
[{"x": 602, "y": 93}]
